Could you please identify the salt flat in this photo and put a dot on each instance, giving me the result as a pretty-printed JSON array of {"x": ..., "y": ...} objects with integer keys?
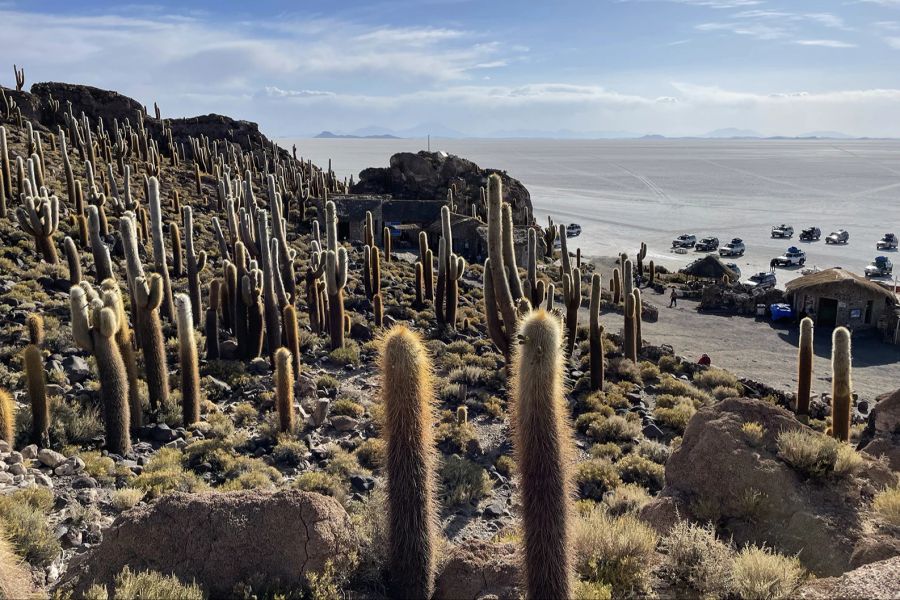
[{"x": 623, "y": 192}]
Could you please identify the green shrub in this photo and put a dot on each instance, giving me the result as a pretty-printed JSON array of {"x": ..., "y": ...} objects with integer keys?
[
  {"x": 164, "y": 473},
  {"x": 595, "y": 477},
  {"x": 637, "y": 469},
  {"x": 347, "y": 407},
  {"x": 761, "y": 574},
  {"x": 463, "y": 481},
  {"x": 322, "y": 483},
  {"x": 347, "y": 355}
]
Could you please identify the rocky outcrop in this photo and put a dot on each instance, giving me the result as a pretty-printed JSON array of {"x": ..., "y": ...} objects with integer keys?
[
  {"x": 222, "y": 539},
  {"x": 479, "y": 569},
  {"x": 881, "y": 436},
  {"x": 719, "y": 474},
  {"x": 876, "y": 581},
  {"x": 428, "y": 175}
]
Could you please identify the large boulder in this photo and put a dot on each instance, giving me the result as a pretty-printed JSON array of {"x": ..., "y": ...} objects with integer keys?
[
  {"x": 719, "y": 474},
  {"x": 428, "y": 175},
  {"x": 222, "y": 539},
  {"x": 478, "y": 569},
  {"x": 881, "y": 436},
  {"x": 876, "y": 581}
]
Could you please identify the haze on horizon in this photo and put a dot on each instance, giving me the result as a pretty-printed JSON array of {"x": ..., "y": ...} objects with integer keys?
[{"x": 670, "y": 67}]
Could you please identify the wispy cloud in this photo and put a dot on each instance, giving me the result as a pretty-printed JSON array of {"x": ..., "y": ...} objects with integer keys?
[{"x": 825, "y": 43}]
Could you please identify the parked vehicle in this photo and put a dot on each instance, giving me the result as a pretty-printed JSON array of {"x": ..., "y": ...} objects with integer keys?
[
  {"x": 573, "y": 230},
  {"x": 880, "y": 267},
  {"x": 763, "y": 280},
  {"x": 782, "y": 231},
  {"x": 708, "y": 244},
  {"x": 685, "y": 240},
  {"x": 810, "y": 234},
  {"x": 887, "y": 242},
  {"x": 838, "y": 237},
  {"x": 733, "y": 248},
  {"x": 793, "y": 257},
  {"x": 735, "y": 268}
]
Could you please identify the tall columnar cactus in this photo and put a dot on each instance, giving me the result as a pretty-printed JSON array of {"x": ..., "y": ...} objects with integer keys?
[
  {"x": 251, "y": 298},
  {"x": 73, "y": 258},
  {"x": 148, "y": 297},
  {"x": 596, "y": 335},
  {"x": 630, "y": 347},
  {"x": 627, "y": 277},
  {"x": 509, "y": 253},
  {"x": 426, "y": 258},
  {"x": 177, "y": 257},
  {"x": 543, "y": 445},
  {"x": 450, "y": 270},
  {"x": 187, "y": 360},
  {"x": 616, "y": 284},
  {"x": 315, "y": 270},
  {"x": 565, "y": 264},
  {"x": 572, "y": 301},
  {"x": 841, "y": 384},
  {"x": 804, "y": 367},
  {"x": 34, "y": 323},
  {"x": 535, "y": 289},
  {"x": 641, "y": 255},
  {"x": 420, "y": 297},
  {"x": 371, "y": 270},
  {"x": 39, "y": 217},
  {"x": 5, "y": 165},
  {"x": 124, "y": 340},
  {"x": 159, "y": 249},
  {"x": 638, "y": 321},
  {"x": 369, "y": 230},
  {"x": 500, "y": 306},
  {"x": 229, "y": 289},
  {"x": 284, "y": 390},
  {"x": 211, "y": 326},
  {"x": 292, "y": 336},
  {"x": 95, "y": 324},
  {"x": 102, "y": 261},
  {"x": 335, "y": 278},
  {"x": 652, "y": 276},
  {"x": 7, "y": 415},
  {"x": 549, "y": 238},
  {"x": 33, "y": 363},
  {"x": 378, "y": 310},
  {"x": 386, "y": 240},
  {"x": 195, "y": 263},
  {"x": 408, "y": 396},
  {"x": 268, "y": 266}
]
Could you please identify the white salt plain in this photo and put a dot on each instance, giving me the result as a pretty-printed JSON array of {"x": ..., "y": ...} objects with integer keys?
[{"x": 623, "y": 192}]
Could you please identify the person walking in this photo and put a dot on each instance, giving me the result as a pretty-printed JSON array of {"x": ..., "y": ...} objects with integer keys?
[{"x": 673, "y": 298}]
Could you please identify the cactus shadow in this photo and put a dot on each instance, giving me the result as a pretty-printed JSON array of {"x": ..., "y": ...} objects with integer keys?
[{"x": 868, "y": 349}]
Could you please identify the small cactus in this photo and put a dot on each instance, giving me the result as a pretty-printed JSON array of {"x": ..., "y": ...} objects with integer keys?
[
  {"x": 35, "y": 325},
  {"x": 543, "y": 446},
  {"x": 187, "y": 360},
  {"x": 284, "y": 390},
  {"x": 33, "y": 363},
  {"x": 841, "y": 384},
  {"x": 804, "y": 367},
  {"x": 407, "y": 396}
]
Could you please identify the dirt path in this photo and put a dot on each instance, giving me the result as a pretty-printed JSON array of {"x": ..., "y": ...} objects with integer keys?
[{"x": 760, "y": 350}]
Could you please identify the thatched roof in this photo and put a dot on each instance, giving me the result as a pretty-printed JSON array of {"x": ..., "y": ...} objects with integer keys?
[
  {"x": 709, "y": 267},
  {"x": 840, "y": 277}
]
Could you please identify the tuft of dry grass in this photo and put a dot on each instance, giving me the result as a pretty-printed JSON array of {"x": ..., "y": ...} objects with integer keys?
[
  {"x": 696, "y": 558},
  {"x": 887, "y": 505},
  {"x": 753, "y": 432},
  {"x": 817, "y": 455}
]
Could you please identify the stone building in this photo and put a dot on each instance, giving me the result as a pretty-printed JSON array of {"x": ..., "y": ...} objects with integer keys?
[
  {"x": 836, "y": 297},
  {"x": 404, "y": 217}
]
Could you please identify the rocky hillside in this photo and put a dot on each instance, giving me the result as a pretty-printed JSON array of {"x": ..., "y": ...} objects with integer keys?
[{"x": 210, "y": 395}]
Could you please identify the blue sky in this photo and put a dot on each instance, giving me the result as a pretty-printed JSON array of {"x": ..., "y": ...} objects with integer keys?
[{"x": 675, "y": 67}]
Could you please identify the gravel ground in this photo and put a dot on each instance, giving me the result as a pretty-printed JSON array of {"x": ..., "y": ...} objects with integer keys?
[{"x": 759, "y": 350}]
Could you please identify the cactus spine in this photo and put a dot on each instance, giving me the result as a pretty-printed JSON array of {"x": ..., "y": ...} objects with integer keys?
[
  {"x": 95, "y": 326},
  {"x": 596, "y": 335},
  {"x": 841, "y": 384},
  {"x": 335, "y": 278},
  {"x": 7, "y": 414},
  {"x": 407, "y": 396},
  {"x": 187, "y": 360},
  {"x": 543, "y": 445},
  {"x": 284, "y": 390},
  {"x": 804, "y": 367}
]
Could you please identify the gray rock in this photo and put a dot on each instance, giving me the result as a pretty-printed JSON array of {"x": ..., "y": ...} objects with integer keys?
[
  {"x": 494, "y": 510},
  {"x": 6, "y": 478},
  {"x": 41, "y": 479},
  {"x": 76, "y": 368},
  {"x": 70, "y": 467},
  {"x": 15, "y": 458},
  {"x": 50, "y": 458},
  {"x": 344, "y": 423},
  {"x": 29, "y": 452},
  {"x": 651, "y": 431},
  {"x": 84, "y": 482},
  {"x": 259, "y": 366},
  {"x": 18, "y": 469}
]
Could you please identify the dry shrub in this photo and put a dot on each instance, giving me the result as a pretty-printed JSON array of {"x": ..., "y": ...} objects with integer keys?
[
  {"x": 761, "y": 574},
  {"x": 646, "y": 473},
  {"x": 463, "y": 481},
  {"x": 146, "y": 585},
  {"x": 595, "y": 477},
  {"x": 887, "y": 505},
  {"x": 626, "y": 499},
  {"x": 23, "y": 520},
  {"x": 712, "y": 378},
  {"x": 613, "y": 550},
  {"x": 754, "y": 432},
  {"x": 696, "y": 558},
  {"x": 817, "y": 455}
]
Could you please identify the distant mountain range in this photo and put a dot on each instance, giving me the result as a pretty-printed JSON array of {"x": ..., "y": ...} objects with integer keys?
[{"x": 437, "y": 131}]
